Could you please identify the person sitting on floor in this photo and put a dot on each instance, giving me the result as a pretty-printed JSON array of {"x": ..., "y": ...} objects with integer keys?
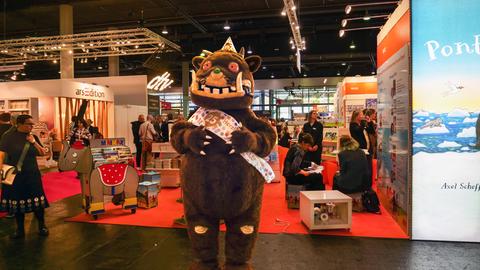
[
  {"x": 294, "y": 168},
  {"x": 353, "y": 175}
]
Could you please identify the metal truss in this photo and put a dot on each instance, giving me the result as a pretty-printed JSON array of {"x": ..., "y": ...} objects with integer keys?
[
  {"x": 85, "y": 45},
  {"x": 298, "y": 43}
]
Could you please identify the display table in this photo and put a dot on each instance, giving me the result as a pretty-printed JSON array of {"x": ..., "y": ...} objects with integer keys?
[{"x": 328, "y": 209}]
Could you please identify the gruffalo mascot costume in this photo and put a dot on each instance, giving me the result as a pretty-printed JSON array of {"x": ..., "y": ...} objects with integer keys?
[{"x": 223, "y": 172}]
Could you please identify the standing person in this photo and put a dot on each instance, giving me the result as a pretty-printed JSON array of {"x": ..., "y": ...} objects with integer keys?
[
  {"x": 80, "y": 133},
  {"x": 136, "y": 137},
  {"x": 315, "y": 129},
  {"x": 295, "y": 164},
  {"x": 353, "y": 176},
  {"x": 93, "y": 130},
  {"x": 147, "y": 135},
  {"x": 73, "y": 123},
  {"x": 158, "y": 128},
  {"x": 371, "y": 128},
  {"x": 5, "y": 123},
  {"x": 359, "y": 133},
  {"x": 164, "y": 131},
  {"x": 26, "y": 194}
]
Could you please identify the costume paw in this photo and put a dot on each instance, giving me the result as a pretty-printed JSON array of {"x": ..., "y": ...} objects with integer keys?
[
  {"x": 243, "y": 140},
  {"x": 197, "y": 139}
]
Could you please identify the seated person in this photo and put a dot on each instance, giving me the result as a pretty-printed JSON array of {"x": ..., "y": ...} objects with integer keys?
[
  {"x": 353, "y": 175},
  {"x": 295, "y": 164},
  {"x": 285, "y": 137}
]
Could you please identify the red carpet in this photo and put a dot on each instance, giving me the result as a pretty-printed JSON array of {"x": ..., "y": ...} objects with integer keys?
[
  {"x": 58, "y": 186},
  {"x": 276, "y": 217}
]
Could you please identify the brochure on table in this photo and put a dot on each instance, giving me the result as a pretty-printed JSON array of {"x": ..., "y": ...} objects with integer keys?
[{"x": 446, "y": 106}]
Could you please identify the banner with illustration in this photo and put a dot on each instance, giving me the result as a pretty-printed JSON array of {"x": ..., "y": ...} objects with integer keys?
[
  {"x": 446, "y": 125},
  {"x": 393, "y": 136}
]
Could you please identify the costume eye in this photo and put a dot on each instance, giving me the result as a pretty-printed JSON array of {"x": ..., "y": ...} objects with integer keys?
[
  {"x": 233, "y": 67},
  {"x": 207, "y": 65}
]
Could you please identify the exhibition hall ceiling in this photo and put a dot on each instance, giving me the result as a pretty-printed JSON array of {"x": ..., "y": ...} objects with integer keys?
[{"x": 195, "y": 25}]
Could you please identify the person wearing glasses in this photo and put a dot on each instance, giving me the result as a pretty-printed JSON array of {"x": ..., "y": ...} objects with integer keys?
[{"x": 26, "y": 194}]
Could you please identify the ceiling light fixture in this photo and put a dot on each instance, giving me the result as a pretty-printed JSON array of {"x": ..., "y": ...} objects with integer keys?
[
  {"x": 325, "y": 81},
  {"x": 226, "y": 26},
  {"x": 249, "y": 50},
  {"x": 272, "y": 76},
  {"x": 284, "y": 13},
  {"x": 349, "y": 8},
  {"x": 23, "y": 74},
  {"x": 344, "y": 64},
  {"x": 352, "y": 45},
  {"x": 165, "y": 30},
  {"x": 366, "y": 17},
  {"x": 346, "y": 20},
  {"x": 305, "y": 75},
  {"x": 342, "y": 32},
  {"x": 338, "y": 73},
  {"x": 55, "y": 61}
]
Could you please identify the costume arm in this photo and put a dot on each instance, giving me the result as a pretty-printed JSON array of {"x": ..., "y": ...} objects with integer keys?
[
  {"x": 265, "y": 135},
  {"x": 178, "y": 138}
]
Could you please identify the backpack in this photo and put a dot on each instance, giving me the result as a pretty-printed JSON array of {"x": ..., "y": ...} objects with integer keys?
[{"x": 370, "y": 202}]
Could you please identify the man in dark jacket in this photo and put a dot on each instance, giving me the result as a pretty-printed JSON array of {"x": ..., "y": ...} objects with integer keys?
[
  {"x": 315, "y": 129},
  {"x": 5, "y": 123},
  {"x": 295, "y": 165},
  {"x": 136, "y": 137}
]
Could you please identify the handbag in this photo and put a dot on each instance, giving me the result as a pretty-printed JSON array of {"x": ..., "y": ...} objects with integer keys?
[{"x": 10, "y": 172}]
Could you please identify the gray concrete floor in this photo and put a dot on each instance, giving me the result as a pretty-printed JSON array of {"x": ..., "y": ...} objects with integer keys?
[{"x": 90, "y": 246}]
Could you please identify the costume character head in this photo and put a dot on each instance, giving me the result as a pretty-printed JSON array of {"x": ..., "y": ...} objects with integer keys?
[{"x": 224, "y": 79}]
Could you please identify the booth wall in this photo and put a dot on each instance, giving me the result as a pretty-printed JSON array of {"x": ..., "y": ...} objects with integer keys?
[
  {"x": 128, "y": 90},
  {"x": 446, "y": 105},
  {"x": 393, "y": 116}
]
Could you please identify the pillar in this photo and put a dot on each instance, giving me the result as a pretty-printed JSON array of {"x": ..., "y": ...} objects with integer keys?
[
  {"x": 113, "y": 62},
  {"x": 66, "y": 28},
  {"x": 185, "y": 85}
]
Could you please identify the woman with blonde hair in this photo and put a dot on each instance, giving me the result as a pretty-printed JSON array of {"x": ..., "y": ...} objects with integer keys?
[{"x": 354, "y": 175}]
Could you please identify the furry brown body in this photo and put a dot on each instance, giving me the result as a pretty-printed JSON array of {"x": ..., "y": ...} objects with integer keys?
[{"x": 219, "y": 183}]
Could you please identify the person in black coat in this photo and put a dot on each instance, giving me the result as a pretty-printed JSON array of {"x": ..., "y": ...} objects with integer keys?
[
  {"x": 353, "y": 176},
  {"x": 295, "y": 164},
  {"x": 315, "y": 129},
  {"x": 5, "y": 124},
  {"x": 359, "y": 134},
  {"x": 136, "y": 137}
]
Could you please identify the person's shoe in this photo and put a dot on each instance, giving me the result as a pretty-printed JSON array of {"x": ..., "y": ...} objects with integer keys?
[
  {"x": 18, "y": 235},
  {"x": 43, "y": 231}
]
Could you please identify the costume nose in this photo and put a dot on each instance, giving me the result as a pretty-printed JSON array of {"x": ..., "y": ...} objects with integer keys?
[{"x": 217, "y": 71}]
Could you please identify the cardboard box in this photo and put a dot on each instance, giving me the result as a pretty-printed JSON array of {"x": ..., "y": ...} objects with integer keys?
[{"x": 147, "y": 194}]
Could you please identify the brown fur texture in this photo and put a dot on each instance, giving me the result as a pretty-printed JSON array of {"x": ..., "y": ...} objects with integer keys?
[{"x": 220, "y": 185}]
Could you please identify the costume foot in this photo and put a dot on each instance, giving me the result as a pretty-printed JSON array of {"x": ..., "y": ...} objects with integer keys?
[
  {"x": 204, "y": 266},
  {"x": 244, "y": 266},
  {"x": 43, "y": 231},
  {"x": 17, "y": 235}
]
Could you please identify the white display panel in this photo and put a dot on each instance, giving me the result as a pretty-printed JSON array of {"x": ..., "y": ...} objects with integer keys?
[{"x": 446, "y": 106}]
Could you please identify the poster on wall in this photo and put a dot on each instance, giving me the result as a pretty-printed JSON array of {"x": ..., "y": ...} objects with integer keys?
[
  {"x": 154, "y": 105},
  {"x": 393, "y": 118},
  {"x": 446, "y": 127}
]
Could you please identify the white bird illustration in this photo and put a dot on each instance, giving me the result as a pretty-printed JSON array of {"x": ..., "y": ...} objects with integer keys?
[{"x": 453, "y": 89}]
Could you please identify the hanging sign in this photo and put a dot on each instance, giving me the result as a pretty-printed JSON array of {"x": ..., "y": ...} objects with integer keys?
[{"x": 159, "y": 83}]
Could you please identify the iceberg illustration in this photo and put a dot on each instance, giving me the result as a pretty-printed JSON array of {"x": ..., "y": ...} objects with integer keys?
[
  {"x": 421, "y": 114},
  {"x": 458, "y": 113},
  {"x": 419, "y": 145},
  {"x": 415, "y": 120},
  {"x": 432, "y": 130},
  {"x": 448, "y": 144},
  {"x": 452, "y": 123},
  {"x": 465, "y": 148},
  {"x": 467, "y": 133},
  {"x": 470, "y": 120}
]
